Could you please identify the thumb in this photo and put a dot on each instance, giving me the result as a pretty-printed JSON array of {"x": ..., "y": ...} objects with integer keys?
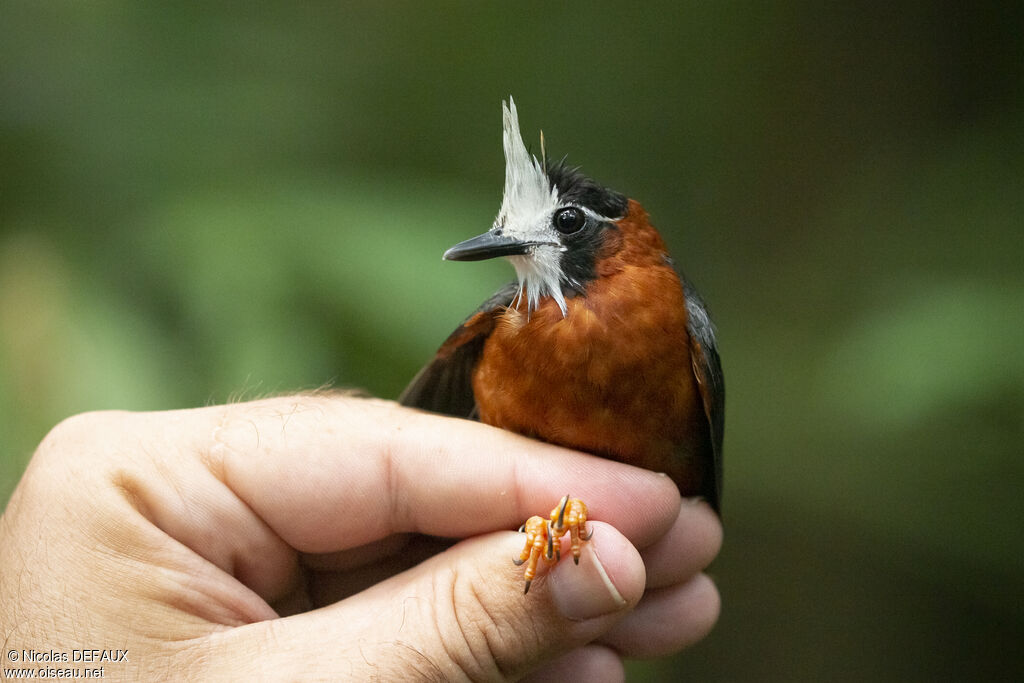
[{"x": 460, "y": 614}]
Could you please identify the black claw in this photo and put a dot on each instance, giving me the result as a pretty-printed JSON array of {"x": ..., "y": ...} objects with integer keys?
[
  {"x": 516, "y": 561},
  {"x": 588, "y": 536},
  {"x": 575, "y": 559},
  {"x": 551, "y": 546},
  {"x": 561, "y": 513},
  {"x": 522, "y": 527},
  {"x": 527, "y": 589}
]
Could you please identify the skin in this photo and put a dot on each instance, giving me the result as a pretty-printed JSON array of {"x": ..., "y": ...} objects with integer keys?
[{"x": 281, "y": 539}]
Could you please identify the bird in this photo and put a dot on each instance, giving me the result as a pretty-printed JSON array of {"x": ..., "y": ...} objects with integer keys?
[{"x": 600, "y": 344}]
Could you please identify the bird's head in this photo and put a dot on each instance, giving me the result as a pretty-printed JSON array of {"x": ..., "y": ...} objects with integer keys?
[{"x": 551, "y": 226}]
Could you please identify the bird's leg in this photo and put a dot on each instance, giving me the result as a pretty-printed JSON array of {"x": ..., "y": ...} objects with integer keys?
[
  {"x": 571, "y": 513},
  {"x": 538, "y": 544}
]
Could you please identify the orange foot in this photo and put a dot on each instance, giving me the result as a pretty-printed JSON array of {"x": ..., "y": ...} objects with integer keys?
[{"x": 542, "y": 534}]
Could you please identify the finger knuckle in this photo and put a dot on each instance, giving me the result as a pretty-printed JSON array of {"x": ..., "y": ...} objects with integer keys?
[{"x": 77, "y": 434}]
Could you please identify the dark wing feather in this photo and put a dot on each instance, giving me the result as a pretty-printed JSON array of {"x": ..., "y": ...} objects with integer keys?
[
  {"x": 707, "y": 368},
  {"x": 445, "y": 385}
]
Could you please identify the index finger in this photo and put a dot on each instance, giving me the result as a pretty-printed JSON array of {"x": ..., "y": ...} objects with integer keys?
[{"x": 328, "y": 473}]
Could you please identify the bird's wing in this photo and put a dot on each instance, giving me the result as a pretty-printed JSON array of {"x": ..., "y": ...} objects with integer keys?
[
  {"x": 707, "y": 368},
  {"x": 445, "y": 385}
]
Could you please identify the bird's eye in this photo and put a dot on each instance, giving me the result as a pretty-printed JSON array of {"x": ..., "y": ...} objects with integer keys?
[{"x": 569, "y": 220}]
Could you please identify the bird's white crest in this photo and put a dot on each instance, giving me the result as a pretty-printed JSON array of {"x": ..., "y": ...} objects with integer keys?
[
  {"x": 526, "y": 210},
  {"x": 527, "y": 189}
]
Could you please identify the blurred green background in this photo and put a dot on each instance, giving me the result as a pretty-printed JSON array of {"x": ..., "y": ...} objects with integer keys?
[{"x": 206, "y": 202}]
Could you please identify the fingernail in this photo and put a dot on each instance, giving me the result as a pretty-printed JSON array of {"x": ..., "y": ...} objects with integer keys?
[{"x": 584, "y": 591}]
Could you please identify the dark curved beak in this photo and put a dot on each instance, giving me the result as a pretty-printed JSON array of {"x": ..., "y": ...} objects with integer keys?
[{"x": 485, "y": 246}]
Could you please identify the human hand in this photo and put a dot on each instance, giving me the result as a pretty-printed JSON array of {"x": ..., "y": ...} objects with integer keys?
[{"x": 280, "y": 538}]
